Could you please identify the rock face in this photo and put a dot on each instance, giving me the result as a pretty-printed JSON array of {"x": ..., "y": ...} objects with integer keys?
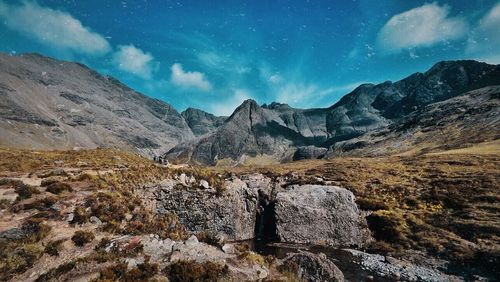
[
  {"x": 324, "y": 215},
  {"x": 313, "y": 267},
  {"x": 280, "y": 132},
  {"x": 309, "y": 152},
  {"x": 202, "y": 122},
  {"x": 230, "y": 215},
  {"x": 51, "y": 104}
]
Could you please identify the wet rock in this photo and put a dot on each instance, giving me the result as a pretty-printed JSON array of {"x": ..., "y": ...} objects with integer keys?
[
  {"x": 322, "y": 215},
  {"x": 395, "y": 269},
  {"x": 312, "y": 267}
]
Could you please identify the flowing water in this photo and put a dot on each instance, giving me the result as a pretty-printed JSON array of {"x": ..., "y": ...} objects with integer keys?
[{"x": 345, "y": 261}]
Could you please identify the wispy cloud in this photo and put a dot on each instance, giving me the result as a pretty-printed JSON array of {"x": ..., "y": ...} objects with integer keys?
[
  {"x": 484, "y": 42},
  {"x": 421, "y": 27},
  {"x": 135, "y": 61},
  {"x": 53, "y": 28},
  {"x": 189, "y": 79},
  {"x": 226, "y": 107}
]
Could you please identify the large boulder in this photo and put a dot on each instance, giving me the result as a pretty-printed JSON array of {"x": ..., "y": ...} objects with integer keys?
[
  {"x": 229, "y": 215},
  {"x": 312, "y": 267},
  {"x": 323, "y": 215}
]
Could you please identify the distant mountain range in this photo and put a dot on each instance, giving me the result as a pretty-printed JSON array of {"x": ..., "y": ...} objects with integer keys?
[{"x": 51, "y": 104}]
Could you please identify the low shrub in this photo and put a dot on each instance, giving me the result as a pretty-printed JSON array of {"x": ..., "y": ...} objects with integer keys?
[
  {"x": 371, "y": 204},
  {"x": 56, "y": 272},
  {"x": 59, "y": 187},
  {"x": 24, "y": 191},
  {"x": 54, "y": 247},
  {"x": 82, "y": 237},
  {"x": 119, "y": 272},
  {"x": 17, "y": 257},
  {"x": 190, "y": 271}
]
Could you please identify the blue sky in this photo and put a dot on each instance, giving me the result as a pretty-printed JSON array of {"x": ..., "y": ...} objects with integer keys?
[{"x": 215, "y": 54}]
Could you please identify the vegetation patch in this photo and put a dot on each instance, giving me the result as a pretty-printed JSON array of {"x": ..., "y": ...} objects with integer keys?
[
  {"x": 54, "y": 247},
  {"x": 82, "y": 237},
  {"x": 59, "y": 187},
  {"x": 190, "y": 271},
  {"x": 119, "y": 272}
]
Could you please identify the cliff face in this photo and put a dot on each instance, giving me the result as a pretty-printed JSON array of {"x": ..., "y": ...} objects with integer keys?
[{"x": 51, "y": 104}]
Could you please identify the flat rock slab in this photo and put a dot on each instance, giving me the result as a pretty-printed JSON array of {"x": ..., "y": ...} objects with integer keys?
[{"x": 320, "y": 215}]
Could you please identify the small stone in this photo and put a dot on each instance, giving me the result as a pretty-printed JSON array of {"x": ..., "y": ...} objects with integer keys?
[
  {"x": 95, "y": 220},
  {"x": 204, "y": 184},
  {"x": 182, "y": 178},
  {"x": 228, "y": 249},
  {"x": 192, "y": 240},
  {"x": 70, "y": 217}
]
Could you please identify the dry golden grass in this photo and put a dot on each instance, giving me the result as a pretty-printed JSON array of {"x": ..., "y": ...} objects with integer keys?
[{"x": 445, "y": 204}]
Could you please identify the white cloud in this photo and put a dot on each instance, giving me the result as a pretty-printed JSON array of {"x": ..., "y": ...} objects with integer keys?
[
  {"x": 421, "y": 27},
  {"x": 227, "y": 107},
  {"x": 53, "y": 28},
  {"x": 135, "y": 61},
  {"x": 296, "y": 95},
  {"x": 484, "y": 41},
  {"x": 275, "y": 78},
  {"x": 188, "y": 79}
]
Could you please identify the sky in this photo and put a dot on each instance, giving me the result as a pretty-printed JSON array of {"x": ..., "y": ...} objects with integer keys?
[{"x": 213, "y": 55}]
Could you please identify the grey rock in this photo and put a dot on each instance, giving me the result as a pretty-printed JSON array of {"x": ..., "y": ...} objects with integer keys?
[
  {"x": 204, "y": 184},
  {"x": 230, "y": 215},
  {"x": 313, "y": 267},
  {"x": 323, "y": 215},
  {"x": 95, "y": 220},
  {"x": 309, "y": 152}
]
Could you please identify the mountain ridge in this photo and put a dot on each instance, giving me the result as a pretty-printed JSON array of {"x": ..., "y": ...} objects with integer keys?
[
  {"x": 279, "y": 132},
  {"x": 78, "y": 107}
]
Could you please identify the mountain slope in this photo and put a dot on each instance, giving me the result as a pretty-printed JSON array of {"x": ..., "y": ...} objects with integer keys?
[
  {"x": 51, "y": 104},
  {"x": 459, "y": 122},
  {"x": 282, "y": 133},
  {"x": 201, "y": 122}
]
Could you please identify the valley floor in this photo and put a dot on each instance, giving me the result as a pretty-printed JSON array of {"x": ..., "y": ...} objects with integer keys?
[{"x": 424, "y": 209}]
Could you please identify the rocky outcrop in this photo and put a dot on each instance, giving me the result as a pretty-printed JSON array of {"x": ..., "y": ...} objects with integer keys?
[
  {"x": 228, "y": 215},
  {"x": 309, "y": 152},
  {"x": 312, "y": 267},
  {"x": 324, "y": 215}
]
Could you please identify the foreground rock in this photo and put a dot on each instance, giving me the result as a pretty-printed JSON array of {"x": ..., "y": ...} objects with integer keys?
[
  {"x": 323, "y": 215},
  {"x": 312, "y": 267},
  {"x": 228, "y": 214}
]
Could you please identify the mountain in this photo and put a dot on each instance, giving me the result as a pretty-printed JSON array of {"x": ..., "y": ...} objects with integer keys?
[
  {"x": 459, "y": 122},
  {"x": 202, "y": 122},
  {"x": 51, "y": 104},
  {"x": 280, "y": 132}
]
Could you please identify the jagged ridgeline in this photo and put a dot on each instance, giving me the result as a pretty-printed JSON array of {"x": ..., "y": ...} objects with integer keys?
[{"x": 77, "y": 107}]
